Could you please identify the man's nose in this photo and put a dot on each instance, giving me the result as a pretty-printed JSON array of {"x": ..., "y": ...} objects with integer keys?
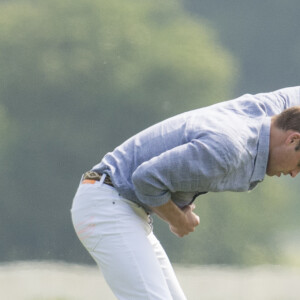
[{"x": 294, "y": 172}]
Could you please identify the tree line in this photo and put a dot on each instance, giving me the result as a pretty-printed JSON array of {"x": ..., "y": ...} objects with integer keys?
[{"x": 79, "y": 77}]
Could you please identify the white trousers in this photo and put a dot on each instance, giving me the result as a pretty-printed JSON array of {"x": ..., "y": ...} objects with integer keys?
[{"x": 118, "y": 235}]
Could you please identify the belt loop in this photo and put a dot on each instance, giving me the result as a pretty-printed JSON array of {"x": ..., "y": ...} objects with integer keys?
[{"x": 102, "y": 178}]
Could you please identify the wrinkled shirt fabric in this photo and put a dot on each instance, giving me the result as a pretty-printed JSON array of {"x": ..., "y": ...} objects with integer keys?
[{"x": 222, "y": 147}]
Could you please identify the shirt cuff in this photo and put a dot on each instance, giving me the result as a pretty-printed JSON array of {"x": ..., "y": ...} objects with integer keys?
[{"x": 154, "y": 201}]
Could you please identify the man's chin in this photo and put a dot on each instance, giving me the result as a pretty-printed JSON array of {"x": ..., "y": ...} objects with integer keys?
[{"x": 269, "y": 173}]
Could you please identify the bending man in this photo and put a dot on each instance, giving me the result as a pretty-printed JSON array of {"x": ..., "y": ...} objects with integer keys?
[{"x": 229, "y": 146}]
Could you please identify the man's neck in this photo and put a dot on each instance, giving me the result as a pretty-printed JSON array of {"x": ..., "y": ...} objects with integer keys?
[{"x": 277, "y": 136}]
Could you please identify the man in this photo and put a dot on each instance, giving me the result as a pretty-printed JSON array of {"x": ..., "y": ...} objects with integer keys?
[{"x": 228, "y": 146}]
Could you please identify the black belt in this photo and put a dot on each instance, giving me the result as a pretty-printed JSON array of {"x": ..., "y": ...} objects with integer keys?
[{"x": 92, "y": 175}]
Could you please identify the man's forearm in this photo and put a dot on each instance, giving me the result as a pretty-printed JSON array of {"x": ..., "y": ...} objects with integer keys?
[
  {"x": 170, "y": 213},
  {"x": 181, "y": 221}
]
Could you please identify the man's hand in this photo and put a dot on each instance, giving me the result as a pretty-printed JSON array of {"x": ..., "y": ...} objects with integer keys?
[
  {"x": 192, "y": 219},
  {"x": 181, "y": 221}
]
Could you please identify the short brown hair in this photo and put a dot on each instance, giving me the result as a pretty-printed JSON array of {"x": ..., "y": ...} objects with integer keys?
[{"x": 289, "y": 119}]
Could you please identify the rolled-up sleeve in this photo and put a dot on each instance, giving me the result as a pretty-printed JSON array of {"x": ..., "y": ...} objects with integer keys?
[
  {"x": 188, "y": 167},
  {"x": 289, "y": 97}
]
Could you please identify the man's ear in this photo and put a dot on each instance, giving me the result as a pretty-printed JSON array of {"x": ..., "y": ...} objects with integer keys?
[{"x": 293, "y": 138}]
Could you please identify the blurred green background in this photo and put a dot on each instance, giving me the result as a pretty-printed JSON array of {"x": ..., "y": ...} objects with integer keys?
[{"x": 78, "y": 77}]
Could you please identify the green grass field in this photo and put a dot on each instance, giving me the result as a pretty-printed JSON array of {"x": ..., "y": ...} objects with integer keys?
[{"x": 60, "y": 281}]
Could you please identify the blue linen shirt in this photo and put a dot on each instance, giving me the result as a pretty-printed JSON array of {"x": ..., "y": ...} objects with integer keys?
[{"x": 222, "y": 147}]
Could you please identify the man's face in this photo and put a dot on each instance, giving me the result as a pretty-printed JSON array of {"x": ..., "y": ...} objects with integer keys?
[{"x": 284, "y": 159}]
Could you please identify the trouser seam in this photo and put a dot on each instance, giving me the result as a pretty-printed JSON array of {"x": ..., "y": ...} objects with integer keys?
[{"x": 138, "y": 268}]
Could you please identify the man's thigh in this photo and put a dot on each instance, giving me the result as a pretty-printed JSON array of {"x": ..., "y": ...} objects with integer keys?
[
  {"x": 119, "y": 237},
  {"x": 165, "y": 265},
  {"x": 131, "y": 268}
]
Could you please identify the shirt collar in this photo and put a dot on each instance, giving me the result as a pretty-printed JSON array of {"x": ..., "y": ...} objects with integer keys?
[{"x": 261, "y": 161}]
